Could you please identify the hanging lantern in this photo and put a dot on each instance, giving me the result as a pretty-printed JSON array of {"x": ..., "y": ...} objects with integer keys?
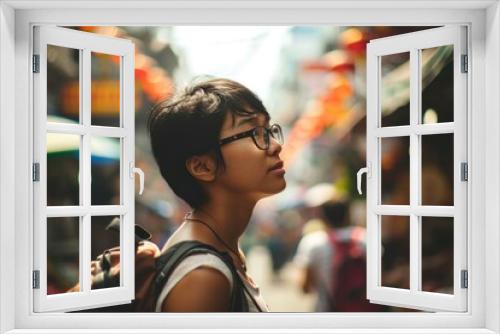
[
  {"x": 353, "y": 40},
  {"x": 337, "y": 61}
]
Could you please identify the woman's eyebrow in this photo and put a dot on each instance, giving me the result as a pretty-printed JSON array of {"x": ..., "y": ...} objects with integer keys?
[{"x": 250, "y": 119}]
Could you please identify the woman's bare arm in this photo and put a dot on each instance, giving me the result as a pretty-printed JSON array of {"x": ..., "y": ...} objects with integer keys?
[{"x": 204, "y": 289}]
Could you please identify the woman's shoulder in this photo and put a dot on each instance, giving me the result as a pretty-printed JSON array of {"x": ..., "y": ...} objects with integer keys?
[
  {"x": 202, "y": 289},
  {"x": 198, "y": 275},
  {"x": 193, "y": 254}
]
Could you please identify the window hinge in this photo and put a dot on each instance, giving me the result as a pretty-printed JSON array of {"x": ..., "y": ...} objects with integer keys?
[
  {"x": 464, "y": 171},
  {"x": 465, "y": 279},
  {"x": 36, "y": 172},
  {"x": 465, "y": 66},
  {"x": 36, "y": 63},
  {"x": 36, "y": 279}
]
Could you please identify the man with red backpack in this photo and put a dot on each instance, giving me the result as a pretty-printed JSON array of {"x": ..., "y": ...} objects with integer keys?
[{"x": 332, "y": 255}]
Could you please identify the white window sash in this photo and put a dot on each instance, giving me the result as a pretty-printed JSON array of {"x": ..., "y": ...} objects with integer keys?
[
  {"x": 86, "y": 43},
  {"x": 414, "y": 297}
]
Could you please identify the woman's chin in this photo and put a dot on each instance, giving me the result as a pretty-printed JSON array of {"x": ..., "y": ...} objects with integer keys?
[
  {"x": 277, "y": 188},
  {"x": 283, "y": 186}
]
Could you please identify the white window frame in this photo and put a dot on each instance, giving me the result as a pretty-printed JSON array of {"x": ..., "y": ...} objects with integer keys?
[
  {"x": 85, "y": 43},
  {"x": 483, "y": 18},
  {"x": 413, "y": 43}
]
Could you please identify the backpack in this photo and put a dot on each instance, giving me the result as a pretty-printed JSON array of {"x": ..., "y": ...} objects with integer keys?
[
  {"x": 349, "y": 270},
  {"x": 152, "y": 270}
]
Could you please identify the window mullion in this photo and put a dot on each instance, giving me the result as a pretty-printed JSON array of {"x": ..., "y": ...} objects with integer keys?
[
  {"x": 415, "y": 237},
  {"x": 420, "y": 210},
  {"x": 124, "y": 174},
  {"x": 86, "y": 176},
  {"x": 78, "y": 129},
  {"x": 127, "y": 196}
]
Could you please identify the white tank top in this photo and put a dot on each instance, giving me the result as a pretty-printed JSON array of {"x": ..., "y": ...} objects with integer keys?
[{"x": 209, "y": 260}]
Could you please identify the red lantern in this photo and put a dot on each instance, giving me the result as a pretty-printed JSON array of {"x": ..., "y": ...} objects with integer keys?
[
  {"x": 336, "y": 61},
  {"x": 353, "y": 40}
]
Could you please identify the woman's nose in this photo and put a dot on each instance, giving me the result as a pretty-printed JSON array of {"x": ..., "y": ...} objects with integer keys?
[{"x": 274, "y": 147}]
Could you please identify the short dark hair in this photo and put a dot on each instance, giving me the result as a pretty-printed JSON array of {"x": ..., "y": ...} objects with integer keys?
[
  {"x": 189, "y": 123},
  {"x": 336, "y": 212}
]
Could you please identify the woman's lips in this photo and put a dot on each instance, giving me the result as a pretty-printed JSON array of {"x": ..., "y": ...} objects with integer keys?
[
  {"x": 278, "y": 165},
  {"x": 277, "y": 171}
]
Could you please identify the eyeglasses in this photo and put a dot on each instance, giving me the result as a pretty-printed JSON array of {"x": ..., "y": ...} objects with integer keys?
[{"x": 260, "y": 136}]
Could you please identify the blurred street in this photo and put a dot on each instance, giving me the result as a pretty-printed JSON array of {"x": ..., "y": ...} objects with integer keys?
[
  {"x": 312, "y": 82},
  {"x": 280, "y": 291}
]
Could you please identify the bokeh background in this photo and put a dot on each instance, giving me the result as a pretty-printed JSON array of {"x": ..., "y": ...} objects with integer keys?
[{"x": 312, "y": 80}]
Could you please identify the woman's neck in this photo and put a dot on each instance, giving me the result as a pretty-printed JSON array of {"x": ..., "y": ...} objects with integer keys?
[{"x": 228, "y": 218}]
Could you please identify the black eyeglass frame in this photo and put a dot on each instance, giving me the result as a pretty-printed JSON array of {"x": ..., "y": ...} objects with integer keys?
[{"x": 252, "y": 133}]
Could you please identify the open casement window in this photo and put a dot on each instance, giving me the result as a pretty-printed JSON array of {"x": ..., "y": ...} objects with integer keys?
[
  {"x": 69, "y": 214},
  {"x": 400, "y": 72}
]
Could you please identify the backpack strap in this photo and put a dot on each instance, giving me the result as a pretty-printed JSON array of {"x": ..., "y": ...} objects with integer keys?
[
  {"x": 106, "y": 280},
  {"x": 169, "y": 260}
]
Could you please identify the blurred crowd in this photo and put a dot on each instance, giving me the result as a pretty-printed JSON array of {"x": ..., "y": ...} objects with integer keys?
[{"x": 310, "y": 239}]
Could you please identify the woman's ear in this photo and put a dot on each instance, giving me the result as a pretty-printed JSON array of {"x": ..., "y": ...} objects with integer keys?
[{"x": 201, "y": 167}]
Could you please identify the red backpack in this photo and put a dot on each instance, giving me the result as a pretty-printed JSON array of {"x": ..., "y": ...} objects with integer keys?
[{"x": 349, "y": 270}]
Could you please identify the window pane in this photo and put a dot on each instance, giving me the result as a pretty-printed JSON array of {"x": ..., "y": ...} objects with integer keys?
[
  {"x": 105, "y": 89},
  {"x": 105, "y": 234},
  {"x": 395, "y": 89},
  {"x": 105, "y": 170},
  {"x": 437, "y": 169},
  {"x": 395, "y": 170},
  {"x": 62, "y": 254},
  {"x": 395, "y": 232},
  {"x": 63, "y": 86},
  {"x": 63, "y": 156},
  {"x": 437, "y": 84},
  {"x": 437, "y": 254}
]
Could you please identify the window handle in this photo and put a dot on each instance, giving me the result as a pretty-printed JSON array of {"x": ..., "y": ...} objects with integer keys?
[
  {"x": 134, "y": 170},
  {"x": 360, "y": 173}
]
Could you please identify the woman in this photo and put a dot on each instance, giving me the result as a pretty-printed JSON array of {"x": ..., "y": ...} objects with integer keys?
[{"x": 217, "y": 151}]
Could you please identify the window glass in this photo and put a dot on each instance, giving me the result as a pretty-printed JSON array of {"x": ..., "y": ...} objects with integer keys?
[
  {"x": 395, "y": 89},
  {"x": 63, "y": 85},
  {"x": 395, "y": 170},
  {"x": 437, "y": 169},
  {"x": 437, "y": 254},
  {"x": 63, "y": 157},
  {"x": 437, "y": 83},
  {"x": 105, "y": 89},
  {"x": 395, "y": 232},
  {"x": 62, "y": 254},
  {"x": 105, "y": 235},
  {"x": 105, "y": 170}
]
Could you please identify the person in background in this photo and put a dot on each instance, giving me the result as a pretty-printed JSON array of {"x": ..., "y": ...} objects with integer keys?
[
  {"x": 331, "y": 256},
  {"x": 314, "y": 252}
]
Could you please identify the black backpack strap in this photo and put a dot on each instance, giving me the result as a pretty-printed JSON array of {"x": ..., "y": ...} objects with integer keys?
[
  {"x": 168, "y": 261},
  {"x": 104, "y": 279}
]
